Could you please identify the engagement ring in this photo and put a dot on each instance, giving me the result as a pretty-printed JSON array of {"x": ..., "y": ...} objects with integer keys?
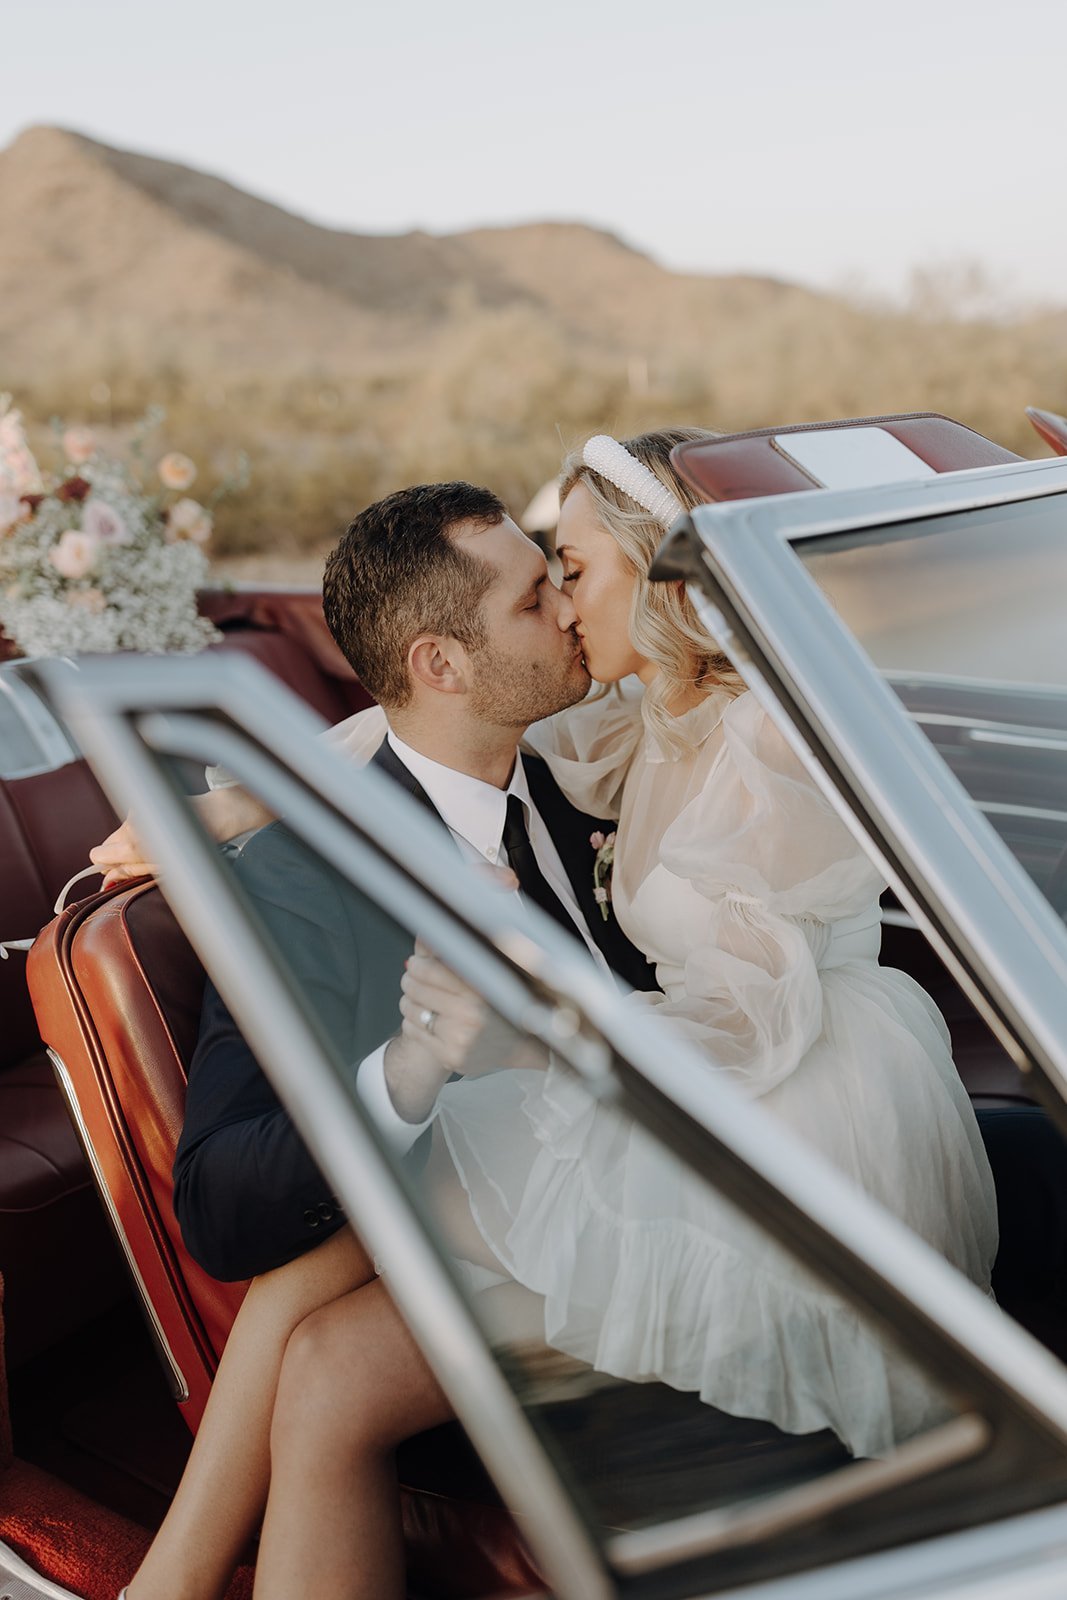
[{"x": 427, "y": 1018}]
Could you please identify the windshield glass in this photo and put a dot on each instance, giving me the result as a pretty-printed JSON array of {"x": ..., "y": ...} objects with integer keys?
[{"x": 966, "y": 615}]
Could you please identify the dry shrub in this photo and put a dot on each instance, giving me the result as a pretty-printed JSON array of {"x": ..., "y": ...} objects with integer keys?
[{"x": 496, "y": 396}]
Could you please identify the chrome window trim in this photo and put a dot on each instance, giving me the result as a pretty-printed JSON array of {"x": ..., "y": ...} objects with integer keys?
[
  {"x": 382, "y": 841},
  {"x": 706, "y": 1532},
  {"x": 178, "y": 1385},
  {"x": 988, "y": 1563},
  {"x": 984, "y": 729},
  {"x": 992, "y": 926},
  {"x": 1004, "y": 808}
]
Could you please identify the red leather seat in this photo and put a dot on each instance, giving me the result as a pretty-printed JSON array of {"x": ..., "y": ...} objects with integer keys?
[
  {"x": 55, "y": 1251},
  {"x": 117, "y": 992}
]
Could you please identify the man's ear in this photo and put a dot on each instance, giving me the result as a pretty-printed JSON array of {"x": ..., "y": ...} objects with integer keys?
[{"x": 438, "y": 662}]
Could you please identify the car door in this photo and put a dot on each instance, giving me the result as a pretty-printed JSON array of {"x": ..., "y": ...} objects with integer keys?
[{"x": 621, "y": 1488}]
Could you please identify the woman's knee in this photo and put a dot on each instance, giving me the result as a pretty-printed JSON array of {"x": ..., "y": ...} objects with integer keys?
[{"x": 319, "y": 1400}]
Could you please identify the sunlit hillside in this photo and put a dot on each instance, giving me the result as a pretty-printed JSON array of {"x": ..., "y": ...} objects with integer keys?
[{"x": 346, "y": 364}]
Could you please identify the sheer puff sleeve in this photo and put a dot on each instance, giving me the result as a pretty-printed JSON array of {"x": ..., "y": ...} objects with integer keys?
[
  {"x": 775, "y": 869},
  {"x": 588, "y": 748},
  {"x": 360, "y": 735},
  {"x": 357, "y": 736}
]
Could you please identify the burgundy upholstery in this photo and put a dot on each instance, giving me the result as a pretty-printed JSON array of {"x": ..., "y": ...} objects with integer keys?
[
  {"x": 55, "y": 1251},
  {"x": 741, "y": 466},
  {"x": 1052, "y": 428},
  {"x": 287, "y": 631},
  {"x": 118, "y": 992}
]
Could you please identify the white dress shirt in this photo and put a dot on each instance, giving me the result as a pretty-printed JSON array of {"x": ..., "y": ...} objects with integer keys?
[{"x": 474, "y": 813}]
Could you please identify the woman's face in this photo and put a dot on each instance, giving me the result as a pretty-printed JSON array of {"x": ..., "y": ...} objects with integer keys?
[{"x": 600, "y": 582}]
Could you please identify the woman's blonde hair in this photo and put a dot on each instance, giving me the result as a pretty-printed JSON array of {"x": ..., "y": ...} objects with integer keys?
[{"x": 664, "y": 627}]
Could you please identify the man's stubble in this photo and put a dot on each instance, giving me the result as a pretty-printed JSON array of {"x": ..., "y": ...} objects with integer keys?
[{"x": 511, "y": 693}]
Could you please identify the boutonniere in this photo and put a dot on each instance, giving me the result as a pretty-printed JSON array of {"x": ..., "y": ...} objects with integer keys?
[{"x": 603, "y": 864}]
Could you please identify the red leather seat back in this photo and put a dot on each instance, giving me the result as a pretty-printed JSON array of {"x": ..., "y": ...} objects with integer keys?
[
  {"x": 117, "y": 989},
  {"x": 117, "y": 992},
  {"x": 741, "y": 466},
  {"x": 47, "y": 821},
  {"x": 287, "y": 631},
  {"x": 59, "y": 1264}
]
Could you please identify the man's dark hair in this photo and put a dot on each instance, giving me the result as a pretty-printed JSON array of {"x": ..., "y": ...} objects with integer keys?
[{"x": 396, "y": 573}]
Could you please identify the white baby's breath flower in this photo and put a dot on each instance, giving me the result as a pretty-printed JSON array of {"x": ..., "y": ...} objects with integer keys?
[
  {"x": 187, "y": 519},
  {"x": 177, "y": 471},
  {"x": 75, "y": 554},
  {"x": 102, "y": 522},
  {"x": 92, "y": 600},
  {"x": 79, "y": 445}
]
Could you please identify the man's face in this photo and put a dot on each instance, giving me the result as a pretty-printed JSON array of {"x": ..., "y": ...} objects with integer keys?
[{"x": 531, "y": 664}]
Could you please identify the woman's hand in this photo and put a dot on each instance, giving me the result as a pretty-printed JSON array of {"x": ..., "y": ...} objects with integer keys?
[
  {"x": 121, "y": 856},
  {"x": 442, "y": 1016},
  {"x": 222, "y": 813},
  {"x": 446, "y": 1027}
]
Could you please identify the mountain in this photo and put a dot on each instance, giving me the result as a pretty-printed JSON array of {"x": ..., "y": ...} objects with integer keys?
[
  {"x": 344, "y": 363},
  {"x": 115, "y": 247}
]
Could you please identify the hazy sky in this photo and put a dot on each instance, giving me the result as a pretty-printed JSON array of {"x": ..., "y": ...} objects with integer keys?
[{"x": 818, "y": 140}]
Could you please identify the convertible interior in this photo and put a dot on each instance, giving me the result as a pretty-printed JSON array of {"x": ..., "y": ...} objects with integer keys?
[{"x": 111, "y": 1333}]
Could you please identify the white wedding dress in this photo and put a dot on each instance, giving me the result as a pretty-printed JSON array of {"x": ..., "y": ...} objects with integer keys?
[{"x": 736, "y": 877}]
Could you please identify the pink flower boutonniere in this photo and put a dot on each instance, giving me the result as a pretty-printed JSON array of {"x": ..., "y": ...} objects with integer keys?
[{"x": 604, "y": 845}]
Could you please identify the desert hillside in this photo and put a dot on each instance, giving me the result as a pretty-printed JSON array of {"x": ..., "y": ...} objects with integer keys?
[{"x": 346, "y": 363}]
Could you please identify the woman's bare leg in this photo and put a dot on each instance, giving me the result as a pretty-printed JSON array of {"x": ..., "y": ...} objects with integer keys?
[
  {"x": 353, "y": 1385},
  {"x": 224, "y": 1488}
]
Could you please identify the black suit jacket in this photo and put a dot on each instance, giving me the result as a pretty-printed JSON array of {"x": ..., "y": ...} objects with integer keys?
[{"x": 247, "y": 1194}]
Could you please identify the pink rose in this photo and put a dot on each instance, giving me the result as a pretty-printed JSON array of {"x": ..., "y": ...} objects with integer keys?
[
  {"x": 18, "y": 469},
  {"x": 177, "y": 471},
  {"x": 79, "y": 445},
  {"x": 597, "y": 840},
  {"x": 103, "y": 523},
  {"x": 187, "y": 519},
  {"x": 75, "y": 554}
]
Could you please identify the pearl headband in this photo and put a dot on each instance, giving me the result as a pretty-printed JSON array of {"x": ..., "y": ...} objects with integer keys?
[{"x": 614, "y": 462}]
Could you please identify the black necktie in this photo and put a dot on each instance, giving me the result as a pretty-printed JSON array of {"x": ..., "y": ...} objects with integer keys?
[{"x": 523, "y": 863}]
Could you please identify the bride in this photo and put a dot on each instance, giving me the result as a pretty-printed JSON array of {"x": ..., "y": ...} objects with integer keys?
[{"x": 738, "y": 880}]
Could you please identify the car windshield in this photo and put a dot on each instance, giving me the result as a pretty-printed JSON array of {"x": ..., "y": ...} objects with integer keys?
[{"x": 964, "y": 614}]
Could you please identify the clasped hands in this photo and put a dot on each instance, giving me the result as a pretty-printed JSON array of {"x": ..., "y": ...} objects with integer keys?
[{"x": 447, "y": 1028}]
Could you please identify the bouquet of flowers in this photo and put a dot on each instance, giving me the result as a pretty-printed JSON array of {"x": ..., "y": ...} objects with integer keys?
[{"x": 91, "y": 559}]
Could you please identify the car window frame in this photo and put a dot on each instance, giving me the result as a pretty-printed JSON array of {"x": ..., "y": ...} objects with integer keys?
[
  {"x": 233, "y": 712},
  {"x": 959, "y": 881}
]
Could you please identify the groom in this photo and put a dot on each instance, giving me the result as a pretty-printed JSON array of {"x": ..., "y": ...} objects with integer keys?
[{"x": 446, "y": 611}]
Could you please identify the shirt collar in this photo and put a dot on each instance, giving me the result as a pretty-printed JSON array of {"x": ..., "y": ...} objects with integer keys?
[{"x": 468, "y": 806}]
